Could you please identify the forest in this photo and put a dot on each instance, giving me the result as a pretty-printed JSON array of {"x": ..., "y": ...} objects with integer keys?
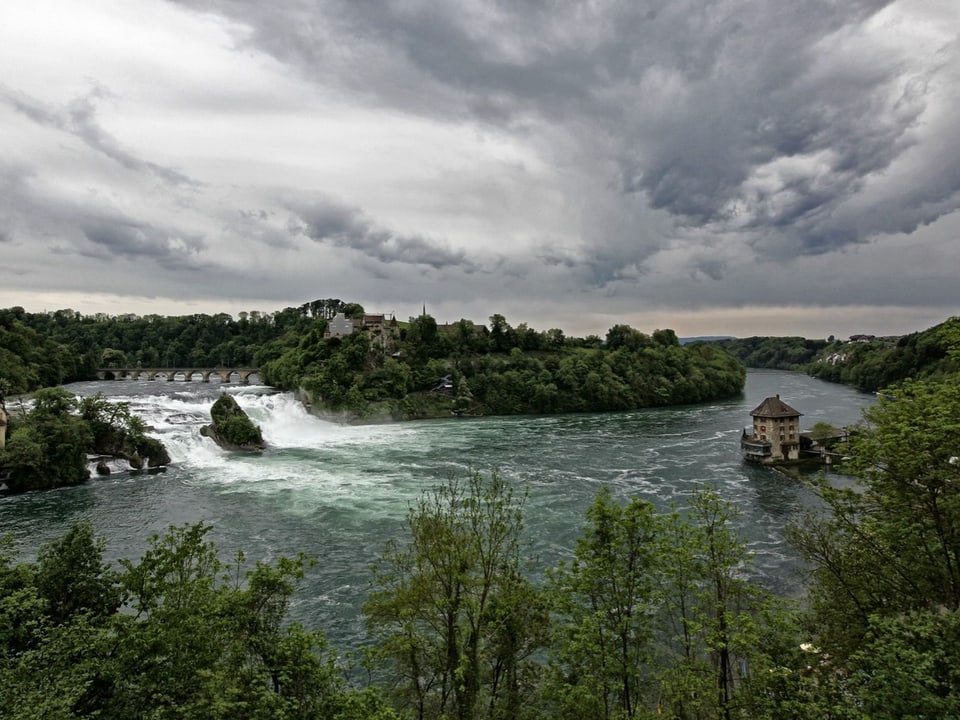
[
  {"x": 866, "y": 362},
  {"x": 496, "y": 369},
  {"x": 877, "y": 363},
  {"x": 778, "y": 353},
  {"x": 425, "y": 371},
  {"x": 46, "y": 349},
  {"x": 409, "y": 370}
]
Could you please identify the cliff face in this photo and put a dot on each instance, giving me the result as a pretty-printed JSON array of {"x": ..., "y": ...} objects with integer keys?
[
  {"x": 231, "y": 429},
  {"x": 376, "y": 412}
]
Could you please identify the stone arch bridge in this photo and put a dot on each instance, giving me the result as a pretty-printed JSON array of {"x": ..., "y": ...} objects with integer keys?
[{"x": 182, "y": 374}]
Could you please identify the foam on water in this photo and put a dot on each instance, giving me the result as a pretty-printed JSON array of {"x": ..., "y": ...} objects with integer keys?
[
  {"x": 287, "y": 424},
  {"x": 307, "y": 460}
]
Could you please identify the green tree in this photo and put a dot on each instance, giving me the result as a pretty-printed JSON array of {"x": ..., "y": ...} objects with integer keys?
[
  {"x": 21, "y": 607},
  {"x": 655, "y": 617},
  {"x": 891, "y": 545},
  {"x": 60, "y": 666},
  {"x": 665, "y": 337},
  {"x": 112, "y": 358},
  {"x": 822, "y": 431},
  {"x": 117, "y": 431},
  {"x": 66, "y": 673},
  {"x": 451, "y": 611},
  {"x": 604, "y": 602},
  {"x": 908, "y": 667},
  {"x": 501, "y": 334},
  {"x": 717, "y": 629},
  {"x": 197, "y": 638},
  {"x": 48, "y": 448},
  {"x": 212, "y": 641},
  {"x": 624, "y": 336},
  {"x": 72, "y": 577}
]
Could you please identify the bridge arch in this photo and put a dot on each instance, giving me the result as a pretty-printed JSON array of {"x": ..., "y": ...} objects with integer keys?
[{"x": 241, "y": 375}]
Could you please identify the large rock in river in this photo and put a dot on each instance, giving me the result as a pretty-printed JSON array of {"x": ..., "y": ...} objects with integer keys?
[
  {"x": 231, "y": 429},
  {"x": 137, "y": 449}
]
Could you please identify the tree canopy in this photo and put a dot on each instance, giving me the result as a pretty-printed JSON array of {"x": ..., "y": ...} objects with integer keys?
[
  {"x": 866, "y": 362},
  {"x": 424, "y": 370},
  {"x": 199, "y": 638},
  {"x": 48, "y": 446},
  {"x": 397, "y": 370}
]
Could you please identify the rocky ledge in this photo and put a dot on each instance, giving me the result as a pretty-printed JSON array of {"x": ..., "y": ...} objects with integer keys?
[{"x": 231, "y": 429}]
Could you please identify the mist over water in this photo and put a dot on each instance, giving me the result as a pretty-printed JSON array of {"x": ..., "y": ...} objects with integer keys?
[{"x": 339, "y": 493}]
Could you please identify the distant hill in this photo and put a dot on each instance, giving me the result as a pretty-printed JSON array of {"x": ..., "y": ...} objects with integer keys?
[
  {"x": 870, "y": 363},
  {"x": 705, "y": 338},
  {"x": 864, "y": 361},
  {"x": 777, "y": 353}
]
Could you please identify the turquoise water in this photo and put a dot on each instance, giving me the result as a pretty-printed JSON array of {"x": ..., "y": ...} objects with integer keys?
[{"x": 338, "y": 493}]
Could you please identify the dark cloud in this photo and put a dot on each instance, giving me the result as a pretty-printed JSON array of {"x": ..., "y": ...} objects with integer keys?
[
  {"x": 260, "y": 226},
  {"x": 711, "y": 268},
  {"x": 558, "y": 258},
  {"x": 626, "y": 153},
  {"x": 702, "y": 101},
  {"x": 781, "y": 132},
  {"x": 331, "y": 222},
  {"x": 104, "y": 233},
  {"x": 79, "y": 118},
  {"x": 113, "y": 237}
]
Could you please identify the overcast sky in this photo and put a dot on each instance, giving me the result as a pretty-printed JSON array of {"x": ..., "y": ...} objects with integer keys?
[{"x": 736, "y": 167}]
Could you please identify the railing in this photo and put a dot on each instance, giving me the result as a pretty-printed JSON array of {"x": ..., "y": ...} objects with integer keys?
[{"x": 754, "y": 449}]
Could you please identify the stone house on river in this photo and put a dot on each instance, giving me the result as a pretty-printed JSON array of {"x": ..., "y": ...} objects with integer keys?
[{"x": 775, "y": 435}]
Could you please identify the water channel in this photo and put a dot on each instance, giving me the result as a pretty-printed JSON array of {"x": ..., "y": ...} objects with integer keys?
[{"x": 338, "y": 493}]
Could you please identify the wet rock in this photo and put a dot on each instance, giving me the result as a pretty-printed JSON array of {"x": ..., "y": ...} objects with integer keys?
[{"x": 231, "y": 428}]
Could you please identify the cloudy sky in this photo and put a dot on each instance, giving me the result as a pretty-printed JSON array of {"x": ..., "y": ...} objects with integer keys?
[{"x": 714, "y": 166}]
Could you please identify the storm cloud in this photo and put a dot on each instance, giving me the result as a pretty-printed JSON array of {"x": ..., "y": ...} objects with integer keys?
[
  {"x": 626, "y": 158},
  {"x": 79, "y": 118},
  {"x": 760, "y": 116},
  {"x": 327, "y": 221}
]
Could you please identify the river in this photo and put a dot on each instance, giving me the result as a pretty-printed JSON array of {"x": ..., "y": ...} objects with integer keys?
[{"x": 339, "y": 493}]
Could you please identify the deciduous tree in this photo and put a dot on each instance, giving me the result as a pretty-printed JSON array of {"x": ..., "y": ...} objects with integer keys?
[
  {"x": 604, "y": 603},
  {"x": 891, "y": 545},
  {"x": 451, "y": 611}
]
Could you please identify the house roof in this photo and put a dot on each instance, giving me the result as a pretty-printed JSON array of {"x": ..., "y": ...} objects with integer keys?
[{"x": 774, "y": 407}]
